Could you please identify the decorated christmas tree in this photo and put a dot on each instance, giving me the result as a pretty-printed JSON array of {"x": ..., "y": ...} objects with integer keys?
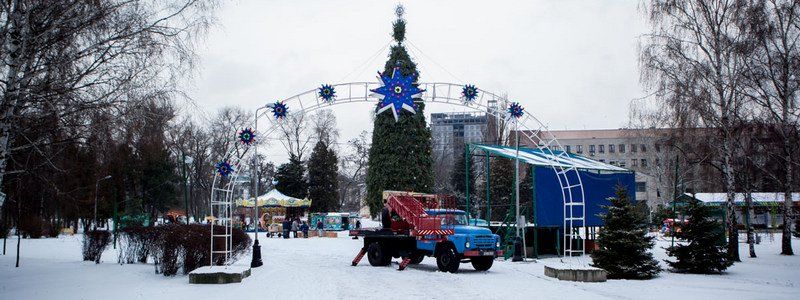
[
  {"x": 400, "y": 156},
  {"x": 703, "y": 248},
  {"x": 624, "y": 243}
]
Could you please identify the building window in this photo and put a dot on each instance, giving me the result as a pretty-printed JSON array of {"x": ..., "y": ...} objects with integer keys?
[
  {"x": 633, "y": 148},
  {"x": 634, "y": 162},
  {"x": 591, "y": 148},
  {"x": 658, "y": 161},
  {"x": 658, "y": 147},
  {"x": 621, "y": 148},
  {"x": 644, "y": 162},
  {"x": 644, "y": 148},
  {"x": 611, "y": 148},
  {"x": 602, "y": 160},
  {"x": 613, "y": 163},
  {"x": 621, "y": 164},
  {"x": 602, "y": 149},
  {"x": 641, "y": 186},
  {"x": 580, "y": 148},
  {"x": 569, "y": 149}
]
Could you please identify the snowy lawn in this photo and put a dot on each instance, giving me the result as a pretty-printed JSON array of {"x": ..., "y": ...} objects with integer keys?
[{"x": 320, "y": 268}]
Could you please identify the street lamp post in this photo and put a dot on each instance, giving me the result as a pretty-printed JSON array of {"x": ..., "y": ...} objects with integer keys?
[
  {"x": 256, "y": 260},
  {"x": 96, "y": 187}
]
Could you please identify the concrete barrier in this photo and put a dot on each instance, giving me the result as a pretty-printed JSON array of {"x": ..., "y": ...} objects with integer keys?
[
  {"x": 218, "y": 274},
  {"x": 576, "y": 274}
]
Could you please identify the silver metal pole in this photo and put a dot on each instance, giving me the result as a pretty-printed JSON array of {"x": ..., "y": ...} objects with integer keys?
[
  {"x": 255, "y": 171},
  {"x": 516, "y": 175}
]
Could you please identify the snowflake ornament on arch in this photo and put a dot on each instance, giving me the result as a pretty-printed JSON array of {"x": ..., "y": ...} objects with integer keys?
[
  {"x": 247, "y": 136},
  {"x": 469, "y": 93},
  {"x": 279, "y": 110},
  {"x": 327, "y": 93},
  {"x": 224, "y": 168},
  {"x": 397, "y": 93},
  {"x": 515, "y": 110}
]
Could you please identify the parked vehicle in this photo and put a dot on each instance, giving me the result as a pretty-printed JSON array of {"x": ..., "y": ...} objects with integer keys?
[{"x": 418, "y": 225}]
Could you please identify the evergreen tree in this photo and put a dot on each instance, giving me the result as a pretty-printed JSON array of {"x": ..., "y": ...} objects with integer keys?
[
  {"x": 501, "y": 187},
  {"x": 624, "y": 242},
  {"x": 323, "y": 186},
  {"x": 703, "y": 249},
  {"x": 400, "y": 156},
  {"x": 458, "y": 180},
  {"x": 291, "y": 180}
]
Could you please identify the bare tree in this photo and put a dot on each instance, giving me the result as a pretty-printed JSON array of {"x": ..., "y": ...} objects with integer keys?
[
  {"x": 693, "y": 62},
  {"x": 353, "y": 172},
  {"x": 773, "y": 81},
  {"x": 294, "y": 135}
]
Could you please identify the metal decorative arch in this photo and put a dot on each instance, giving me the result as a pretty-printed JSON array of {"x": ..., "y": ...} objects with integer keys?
[{"x": 572, "y": 191}]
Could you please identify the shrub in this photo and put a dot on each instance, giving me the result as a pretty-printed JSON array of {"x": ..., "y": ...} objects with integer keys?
[
  {"x": 94, "y": 242},
  {"x": 176, "y": 247},
  {"x": 31, "y": 226}
]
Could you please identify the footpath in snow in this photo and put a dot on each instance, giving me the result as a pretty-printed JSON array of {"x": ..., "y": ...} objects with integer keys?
[{"x": 320, "y": 268}]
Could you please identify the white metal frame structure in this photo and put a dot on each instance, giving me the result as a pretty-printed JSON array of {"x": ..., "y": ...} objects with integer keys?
[{"x": 445, "y": 93}]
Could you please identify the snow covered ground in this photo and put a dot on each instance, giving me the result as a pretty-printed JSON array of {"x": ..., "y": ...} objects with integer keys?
[{"x": 320, "y": 268}]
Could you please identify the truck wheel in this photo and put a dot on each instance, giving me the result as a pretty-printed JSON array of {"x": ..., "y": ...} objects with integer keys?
[
  {"x": 386, "y": 218},
  {"x": 482, "y": 263},
  {"x": 447, "y": 260},
  {"x": 377, "y": 255},
  {"x": 417, "y": 258}
]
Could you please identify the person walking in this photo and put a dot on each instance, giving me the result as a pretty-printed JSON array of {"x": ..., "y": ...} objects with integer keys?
[
  {"x": 304, "y": 229},
  {"x": 358, "y": 226},
  {"x": 295, "y": 227},
  {"x": 320, "y": 226},
  {"x": 286, "y": 226}
]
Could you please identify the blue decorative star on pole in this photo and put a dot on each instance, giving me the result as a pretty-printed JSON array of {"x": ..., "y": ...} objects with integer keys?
[
  {"x": 224, "y": 168},
  {"x": 469, "y": 93},
  {"x": 247, "y": 136},
  {"x": 515, "y": 110},
  {"x": 396, "y": 93},
  {"x": 279, "y": 110},
  {"x": 327, "y": 93}
]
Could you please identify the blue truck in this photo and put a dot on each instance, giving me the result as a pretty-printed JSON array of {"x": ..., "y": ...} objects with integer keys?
[{"x": 412, "y": 231}]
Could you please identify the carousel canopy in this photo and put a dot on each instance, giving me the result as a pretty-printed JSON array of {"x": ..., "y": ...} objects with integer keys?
[{"x": 274, "y": 198}]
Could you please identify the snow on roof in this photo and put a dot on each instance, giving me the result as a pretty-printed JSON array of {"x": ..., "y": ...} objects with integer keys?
[
  {"x": 739, "y": 197},
  {"x": 556, "y": 158}
]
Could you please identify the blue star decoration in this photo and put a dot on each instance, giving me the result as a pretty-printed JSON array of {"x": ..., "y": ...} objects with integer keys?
[
  {"x": 469, "y": 93},
  {"x": 396, "y": 93},
  {"x": 279, "y": 110},
  {"x": 327, "y": 93},
  {"x": 224, "y": 168},
  {"x": 515, "y": 110},
  {"x": 247, "y": 136}
]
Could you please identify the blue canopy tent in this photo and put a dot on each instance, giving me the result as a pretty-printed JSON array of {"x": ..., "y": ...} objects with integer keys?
[{"x": 599, "y": 182}]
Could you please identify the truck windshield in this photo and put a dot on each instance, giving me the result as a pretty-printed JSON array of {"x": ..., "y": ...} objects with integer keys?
[{"x": 451, "y": 219}]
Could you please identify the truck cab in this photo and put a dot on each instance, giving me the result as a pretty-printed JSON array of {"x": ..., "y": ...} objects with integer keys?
[{"x": 468, "y": 243}]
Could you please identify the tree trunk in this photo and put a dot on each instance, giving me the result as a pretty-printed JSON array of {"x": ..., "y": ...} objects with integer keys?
[
  {"x": 730, "y": 208},
  {"x": 788, "y": 210},
  {"x": 748, "y": 219}
]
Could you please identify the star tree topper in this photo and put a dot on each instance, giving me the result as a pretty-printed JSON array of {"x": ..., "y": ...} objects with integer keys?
[{"x": 396, "y": 93}]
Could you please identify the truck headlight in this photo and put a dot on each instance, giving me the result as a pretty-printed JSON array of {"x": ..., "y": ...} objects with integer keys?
[
  {"x": 497, "y": 244},
  {"x": 466, "y": 244}
]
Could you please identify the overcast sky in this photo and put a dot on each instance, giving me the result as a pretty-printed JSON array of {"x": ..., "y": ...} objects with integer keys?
[{"x": 573, "y": 64}]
